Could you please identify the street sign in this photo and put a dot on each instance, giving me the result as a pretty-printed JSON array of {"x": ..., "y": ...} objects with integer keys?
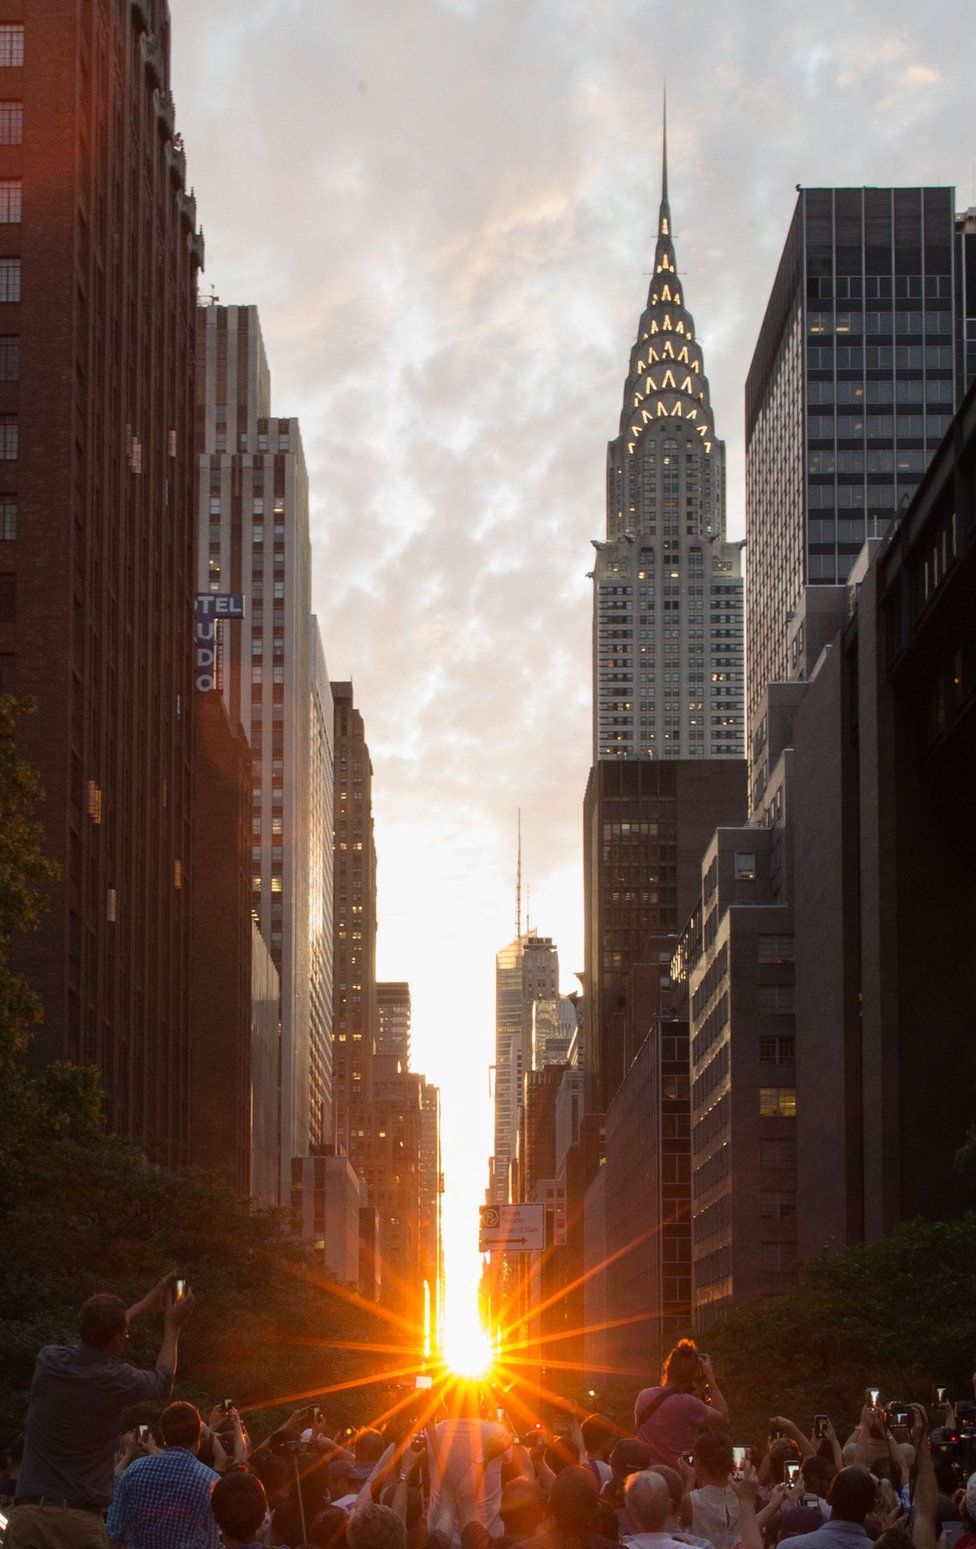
[{"x": 512, "y": 1229}]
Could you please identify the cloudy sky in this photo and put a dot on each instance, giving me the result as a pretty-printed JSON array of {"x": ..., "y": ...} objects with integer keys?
[{"x": 444, "y": 211}]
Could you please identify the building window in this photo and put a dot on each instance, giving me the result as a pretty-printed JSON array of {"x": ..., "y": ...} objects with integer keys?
[
  {"x": 11, "y": 200},
  {"x": 11, "y": 43},
  {"x": 745, "y": 865},
  {"x": 8, "y": 597},
  {"x": 9, "y": 438},
  {"x": 777, "y": 1102},
  {"x": 777, "y": 999},
  {"x": 9, "y": 279},
  {"x": 8, "y": 663},
  {"x": 11, "y": 123},
  {"x": 8, "y": 519},
  {"x": 9, "y": 357}
]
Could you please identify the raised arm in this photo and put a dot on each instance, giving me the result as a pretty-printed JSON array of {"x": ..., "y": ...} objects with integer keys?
[
  {"x": 715, "y": 1400},
  {"x": 804, "y": 1443},
  {"x": 924, "y": 1522},
  {"x": 747, "y": 1489},
  {"x": 175, "y": 1315}
]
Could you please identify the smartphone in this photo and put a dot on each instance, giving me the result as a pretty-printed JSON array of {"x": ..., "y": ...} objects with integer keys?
[
  {"x": 689, "y": 1458},
  {"x": 419, "y": 1444},
  {"x": 226, "y": 1405},
  {"x": 792, "y": 1472},
  {"x": 940, "y": 1395},
  {"x": 179, "y": 1290},
  {"x": 820, "y": 1424},
  {"x": 873, "y": 1395},
  {"x": 142, "y": 1434},
  {"x": 738, "y": 1459},
  {"x": 316, "y": 1415},
  {"x": 423, "y": 1380}
]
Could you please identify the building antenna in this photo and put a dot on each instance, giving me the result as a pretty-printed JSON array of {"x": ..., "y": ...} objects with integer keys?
[{"x": 518, "y": 879}]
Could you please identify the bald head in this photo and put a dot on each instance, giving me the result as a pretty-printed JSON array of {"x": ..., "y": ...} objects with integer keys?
[{"x": 648, "y": 1501}]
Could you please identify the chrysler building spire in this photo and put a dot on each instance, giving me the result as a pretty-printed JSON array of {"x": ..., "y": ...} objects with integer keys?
[{"x": 668, "y": 625}]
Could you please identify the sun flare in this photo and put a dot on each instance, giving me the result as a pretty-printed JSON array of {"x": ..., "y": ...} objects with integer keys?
[{"x": 468, "y": 1349}]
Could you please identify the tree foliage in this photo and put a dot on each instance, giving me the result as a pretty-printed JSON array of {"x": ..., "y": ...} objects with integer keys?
[{"x": 81, "y": 1210}]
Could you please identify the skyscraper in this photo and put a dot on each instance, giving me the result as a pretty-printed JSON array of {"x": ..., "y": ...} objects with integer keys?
[
  {"x": 853, "y": 382},
  {"x": 96, "y": 535},
  {"x": 667, "y": 585},
  {"x": 355, "y": 1017},
  {"x": 254, "y": 540},
  {"x": 526, "y": 970}
]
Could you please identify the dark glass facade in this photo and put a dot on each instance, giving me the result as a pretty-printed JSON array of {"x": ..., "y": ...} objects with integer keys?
[{"x": 858, "y": 369}]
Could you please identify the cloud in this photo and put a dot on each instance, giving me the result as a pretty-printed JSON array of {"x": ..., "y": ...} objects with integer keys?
[{"x": 445, "y": 213}]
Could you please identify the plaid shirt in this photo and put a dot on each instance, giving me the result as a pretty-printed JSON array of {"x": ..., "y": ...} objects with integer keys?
[{"x": 163, "y": 1502}]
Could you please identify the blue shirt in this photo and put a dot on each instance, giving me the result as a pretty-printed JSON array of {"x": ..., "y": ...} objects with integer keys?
[
  {"x": 73, "y": 1418},
  {"x": 163, "y": 1502},
  {"x": 835, "y": 1534}
]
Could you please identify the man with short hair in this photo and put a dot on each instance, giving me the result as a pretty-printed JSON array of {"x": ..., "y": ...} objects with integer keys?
[
  {"x": 851, "y": 1497},
  {"x": 649, "y": 1507},
  {"x": 76, "y": 1401},
  {"x": 239, "y": 1507},
  {"x": 598, "y": 1435},
  {"x": 372, "y": 1526},
  {"x": 163, "y": 1501}
]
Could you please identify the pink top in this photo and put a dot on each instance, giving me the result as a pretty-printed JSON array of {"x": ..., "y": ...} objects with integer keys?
[{"x": 673, "y": 1427}]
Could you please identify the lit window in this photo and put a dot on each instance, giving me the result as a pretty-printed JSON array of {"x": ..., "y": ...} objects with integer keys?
[
  {"x": 11, "y": 43},
  {"x": 11, "y": 200},
  {"x": 777, "y": 1102},
  {"x": 745, "y": 865},
  {"x": 11, "y": 123}
]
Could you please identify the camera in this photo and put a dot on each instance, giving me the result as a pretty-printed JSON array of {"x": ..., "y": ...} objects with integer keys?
[
  {"x": 898, "y": 1414},
  {"x": 419, "y": 1444}
]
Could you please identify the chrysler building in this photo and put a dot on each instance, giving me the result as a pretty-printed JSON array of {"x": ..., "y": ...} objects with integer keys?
[{"x": 667, "y": 617}]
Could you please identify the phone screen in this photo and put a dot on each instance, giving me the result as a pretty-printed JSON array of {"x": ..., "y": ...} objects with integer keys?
[
  {"x": 792, "y": 1470},
  {"x": 738, "y": 1458}
]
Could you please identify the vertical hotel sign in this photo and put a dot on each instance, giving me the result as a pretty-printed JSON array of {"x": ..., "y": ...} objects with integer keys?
[{"x": 208, "y": 609}]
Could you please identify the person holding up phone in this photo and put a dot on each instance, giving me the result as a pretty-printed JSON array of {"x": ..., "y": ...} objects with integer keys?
[
  {"x": 668, "y": 1418},
  {"x": 166, "y": 1497},
  {"x": 76, "y": 1401}
]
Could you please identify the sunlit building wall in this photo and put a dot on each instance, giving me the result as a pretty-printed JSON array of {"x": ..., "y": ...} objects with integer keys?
[
  {"x": 253, "y": 539},
  {"x": 527, "y": 969},
  {"x": 393, "y": 1008}
]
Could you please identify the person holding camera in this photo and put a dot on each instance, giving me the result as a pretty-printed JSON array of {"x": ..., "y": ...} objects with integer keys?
[
  {"x": 162, "y": 1501},
  {"x": 668, "y": 1418},
  {"x": 77, "y": 1397}
]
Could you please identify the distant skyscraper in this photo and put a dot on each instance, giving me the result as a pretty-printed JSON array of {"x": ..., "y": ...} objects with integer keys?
[
  {"x": 320, "y": 895},
  {"x": 525, "y": 971},
  {"x": 355, "y": 1017},
  {"x": 96, "y": 536},
  {"x": 254, "y": 539},
  {"x": 860, "y": 360},
  {"x": 431, "y": 1190},
  {"x": 393, "y": 1037},
  {"x": 667, "y": 603}
]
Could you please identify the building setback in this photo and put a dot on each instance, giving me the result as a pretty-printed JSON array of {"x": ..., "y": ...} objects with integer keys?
[
  {"x": 867, "y": 345},
  {"x": 393, "y": 1009},
  {"x": 254, "y": 541},
  {"x": 98, "y": 270},
  {"x": 667, "y": 585}
]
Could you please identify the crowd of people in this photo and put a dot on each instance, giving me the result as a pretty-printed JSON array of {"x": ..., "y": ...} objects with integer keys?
[{"x": 452, "y": 1466}]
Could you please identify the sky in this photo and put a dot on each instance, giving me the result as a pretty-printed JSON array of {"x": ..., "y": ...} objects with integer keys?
[{"x": 444, "y": 211}]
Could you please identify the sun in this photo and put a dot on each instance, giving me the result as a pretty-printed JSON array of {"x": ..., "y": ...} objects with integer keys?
[{"x": 466, "y": 1347}]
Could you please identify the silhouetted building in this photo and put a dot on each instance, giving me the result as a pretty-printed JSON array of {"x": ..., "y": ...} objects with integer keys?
[
  {"x": 667, "y": 585},
  {"x": 97, "y": 298},
  {"x": 354, "y": 1004},
  {"x": 645, "y": 826},
  {"x": 885, "y": 839},
  {"x": 321, "y": 862},
  {"x": 220, "y": 1085},
  {"x": 431, "y": 1194},
  {"x": 866, "y": 346}
]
